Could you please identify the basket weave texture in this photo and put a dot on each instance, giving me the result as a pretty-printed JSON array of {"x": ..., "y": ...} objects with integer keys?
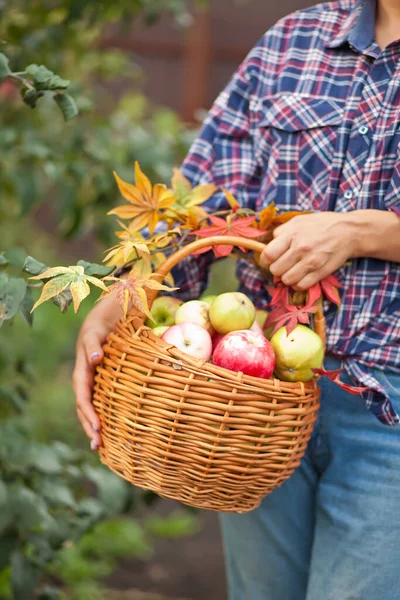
[{"x": 190, "y": 430}]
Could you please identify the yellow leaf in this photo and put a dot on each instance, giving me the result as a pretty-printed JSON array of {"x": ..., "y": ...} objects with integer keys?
[
  {"x": 180, "y": 184},
  {"x": 267, "y": 216},
  {"x": 97, "y": 282},
  {"x": 79, "y": 290},
  {"x": 124, "y": 212},
  {"x": 142, "y": 181},
  {"x": 128, "y": 191},
  {"x": 233, "y": 203},
  {"x": 53, "y": 272},
  {"x": 53, "y": 288}
]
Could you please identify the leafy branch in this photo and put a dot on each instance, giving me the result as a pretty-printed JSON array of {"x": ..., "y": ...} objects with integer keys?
[{"x": 35, "y": 81}]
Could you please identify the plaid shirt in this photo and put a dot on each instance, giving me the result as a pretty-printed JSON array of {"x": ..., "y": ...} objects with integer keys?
[{"x": 310, "y": 121}]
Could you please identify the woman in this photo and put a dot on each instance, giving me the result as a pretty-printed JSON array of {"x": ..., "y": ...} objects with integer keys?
[{"x": 310, "y": 121}]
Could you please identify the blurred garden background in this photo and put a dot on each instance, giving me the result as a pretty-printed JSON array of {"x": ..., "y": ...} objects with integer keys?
[{"x": 142, "y": 74}]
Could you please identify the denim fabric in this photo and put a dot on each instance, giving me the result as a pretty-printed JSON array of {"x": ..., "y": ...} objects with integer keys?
[{"x": 331, "y": 532}]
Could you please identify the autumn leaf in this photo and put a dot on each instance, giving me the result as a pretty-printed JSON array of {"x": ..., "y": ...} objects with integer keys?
[
  {"x": 131, "y": 291},
  {"x": 288, "y": 216},
  {"x": 330, "y": 289},
  {"x": 334, "y": 376},
  {"x": 61, "y": 278},
  {"x": 147, "y": 203},
  {"x": 188, "y": 199},
  {"x": 266, "y": 216},
  {"x": 133, "y": 246},
  {"x": 233, "y": 203},
  {"x": 231, "y": 226}
]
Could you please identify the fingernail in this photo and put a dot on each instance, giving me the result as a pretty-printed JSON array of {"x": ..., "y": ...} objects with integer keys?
[
  {"x": 94, "y": 445},
  {"x": 94, "y": 355},
  {"x": 96, "y": 429}
]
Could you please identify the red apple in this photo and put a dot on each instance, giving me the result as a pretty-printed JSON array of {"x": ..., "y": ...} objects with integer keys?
[
  {"x": 190, "y": 338},
  {"x": 194, "y": 311},
  {"x": 247, "y": 352},
  {"x": 232, "y": 311}
]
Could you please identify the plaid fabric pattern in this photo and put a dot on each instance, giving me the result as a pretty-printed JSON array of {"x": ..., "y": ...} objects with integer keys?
[{"x": 310, "y": 121}]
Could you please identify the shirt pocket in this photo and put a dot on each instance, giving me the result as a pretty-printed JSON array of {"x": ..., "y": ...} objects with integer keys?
[{"x": 295, "y": 140}]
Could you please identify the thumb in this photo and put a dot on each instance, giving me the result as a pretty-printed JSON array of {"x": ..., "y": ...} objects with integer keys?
[{"x": 93, "y": 348}]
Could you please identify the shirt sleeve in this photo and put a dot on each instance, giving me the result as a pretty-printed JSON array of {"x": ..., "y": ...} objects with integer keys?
[{"x": 224, "y": 154}]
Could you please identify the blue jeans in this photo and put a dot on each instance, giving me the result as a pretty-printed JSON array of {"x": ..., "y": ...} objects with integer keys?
[{"x": 331, "y": 532}]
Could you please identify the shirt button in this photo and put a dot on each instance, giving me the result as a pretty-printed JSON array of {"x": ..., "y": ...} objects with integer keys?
[
  {"x": 348, "y": 194},
  {"x": 363, "y": 130}
]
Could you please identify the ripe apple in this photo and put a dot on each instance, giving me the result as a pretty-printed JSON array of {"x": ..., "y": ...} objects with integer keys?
[
  {"x": 160, "y": 330},
  {"x": 297, "y": 353},
  {"x": 195, "y": 311},
  {"x": 232, "y": 311},
  {"x": 163, "y": 310},
  {"x": 245, "y": 351},
  {"x": 190, "y": 338},
  {"x": 209, "y": 299}
]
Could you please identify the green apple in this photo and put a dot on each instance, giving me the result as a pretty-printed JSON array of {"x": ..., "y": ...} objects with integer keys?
[
  {"x": 160, "y": 330},
  {"x": 208, "y": 299},
  {"x": 297, "y": 353},
  {"x": 163, "y": 310},
  {"x": 232, "y": 311},
  {"x": 261, "y": 317},
  {"x": 194, "y": 311}
]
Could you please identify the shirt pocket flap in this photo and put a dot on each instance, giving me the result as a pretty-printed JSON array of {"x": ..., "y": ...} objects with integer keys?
[{"x": 295, "y": 112}]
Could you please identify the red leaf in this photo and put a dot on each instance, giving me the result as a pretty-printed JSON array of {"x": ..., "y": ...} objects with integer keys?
[
  {"x": 291, "y": 324},
  {"x": 330, "y": 286},
  {"x": 314, "y": 294},
  {"x": 332, "y": 375},
  {"x": 222, "y": 251},
  {"x": 351, "y": 389}
]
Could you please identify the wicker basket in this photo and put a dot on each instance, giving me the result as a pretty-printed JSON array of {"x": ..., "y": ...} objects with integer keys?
[{"x": 192, "y": 431}]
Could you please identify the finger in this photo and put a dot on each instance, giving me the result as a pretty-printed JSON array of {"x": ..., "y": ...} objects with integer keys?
[
  {"x": 274, "y": 250},
  {"x": 92, "y": 343},
  {"x": 308, "y": 281},
  {"x": 83, "y": 384},
  {"x": 286, "y": 262},
  {"x": 95, "y": 438},
  {"x": 300, "y": 270}
]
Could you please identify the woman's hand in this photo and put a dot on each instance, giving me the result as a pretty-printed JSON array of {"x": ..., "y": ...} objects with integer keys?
[
  {"x": 310, "y": 247},
  {"x": 97, "y": 325}
]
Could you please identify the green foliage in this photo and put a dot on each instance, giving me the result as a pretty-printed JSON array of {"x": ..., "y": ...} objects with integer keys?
[
  {"x": 177, "y": 524},
  {"x": 60, "y": 520}
]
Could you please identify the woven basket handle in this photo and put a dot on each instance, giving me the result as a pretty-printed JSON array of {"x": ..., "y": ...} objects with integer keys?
[{"x": 226, "y": 240}]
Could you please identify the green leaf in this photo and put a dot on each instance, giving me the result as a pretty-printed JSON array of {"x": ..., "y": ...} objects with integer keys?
[
  {"x": 15, "y": 257},
  {"x": 32, "y": 69},
  {"x": 27, "y": 187},
  {"x": 57, "y": 83},
  {"x": 113, "y": 492},
  {"x": 120, "y": 538},
  {"x": 41, "y": 76},
  {"x": 31, "y": 96},
  {"x": 24, "y": 577},
  {"x": 177, "y": 524},
  {"x": 67, "y": 105},
  {"x": 4, "y": 68},
  {"x": 3, "y": 260},
  {"x": 26, "y": 307},
  {"x": 6, "y": 509},
  {"x": 33, "y": 266},
  {"x": 45, "y": 460},
  {"x": 7, "y": 546},
  {"x": 95, "y": 269},
  {"x": 12, "y": 293},
  {"x": 57, "y": 493},
  {"x": 30, "y": 510}
]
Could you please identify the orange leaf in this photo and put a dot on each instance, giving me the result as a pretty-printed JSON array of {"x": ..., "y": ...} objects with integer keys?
[
  {"x": 285, "y": 217},
  {"x": 267, "y": 215}
]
